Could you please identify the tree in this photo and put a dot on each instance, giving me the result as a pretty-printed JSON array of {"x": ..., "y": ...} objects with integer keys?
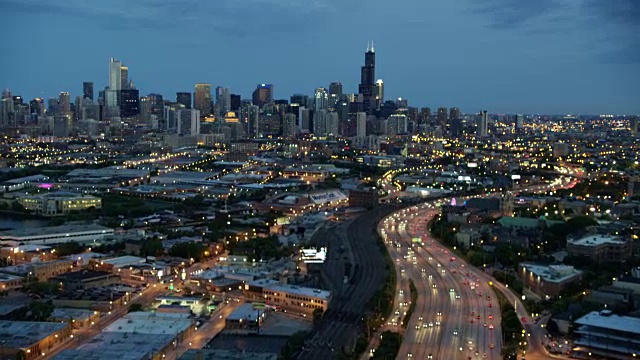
[
  {"x": 151, "y": 247},
  {"x": 188, "y": 250},
  {"x": 135, "y": 308},
  {"x": 17, "y": 207},
  {"x": 69, "y": 248},
  {"x": 40, "y": 310},
  {"x": 580, "y": 223},
  {"x": 41, "y": 288},
  {"x": 317, "y": 315}
]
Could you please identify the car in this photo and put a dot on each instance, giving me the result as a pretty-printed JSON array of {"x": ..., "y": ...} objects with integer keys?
[
  {"x": 452, "y": 290},
  {"x": 420, "y": 318},
  {"x": 478, "y": 317},
  {"x": 424, "y": 325},
  {"x": 430, "y": 356},
  {"x": 430, "y": 277},
  {"x": 490, "y": 305},
  {"x": 430, "y": 324},
  {"x": 409, "y": 355},
  {"x": 417, "y": 327},
  {"x": 433, "y": 286},
  {"x": 524, "y": 319},
  {"x": 401, "y": 292},
  {"x": 490, "y": 317},
  {"x": 455, "y": 332},
  {"x": 490, "y": 327},
  {"x": 423, "y": 270},
  {"x": 439, "y": 313},
  {"x": 491, "y": 346},
  {"x": 457, "y": 296},
  {"x": 485, "y": 324}
]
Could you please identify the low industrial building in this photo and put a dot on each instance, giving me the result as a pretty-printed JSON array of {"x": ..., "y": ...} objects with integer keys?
[
  {"x": 31, "y": 338},
  {"x": 10, "y": 282},
  {"x": 22, "y": 183},
  {"x": 601, "y": 248},
  {"x": 78, "y": 318},
  {"x": 42, "y": 271},
  {"x": 548, "y": 280},
  {"x": 56, "y": 234},
  {"x": 291, "y": 298},
  {"x": 366, "y": 198},
  {"x": 603, "y": 334},
  {"x": 85, "y": 279},
  {"x": 121, "y": 346},
  {"x": 28, "y": 253},
  {"x": 58, "y": 203},
  {"x": 215, "y": 354},
  {"x": 246, "y": 318},
  {"x": 180, "y": 326},
  {"x": 100, "y": 298}
]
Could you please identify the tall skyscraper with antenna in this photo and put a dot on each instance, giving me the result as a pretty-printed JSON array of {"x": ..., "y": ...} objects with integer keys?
[{"x": 367, "y": 86}]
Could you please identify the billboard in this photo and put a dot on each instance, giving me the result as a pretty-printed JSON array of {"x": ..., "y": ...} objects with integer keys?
[
  {"x": 515, "y": 177},
  {"x": 313, "y": 255}
]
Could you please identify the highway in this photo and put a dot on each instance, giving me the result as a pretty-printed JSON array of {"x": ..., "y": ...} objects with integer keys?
[{"x": 454, "y": 317}]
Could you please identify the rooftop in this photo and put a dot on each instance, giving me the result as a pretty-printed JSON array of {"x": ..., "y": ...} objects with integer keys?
[
  {"x": 245, "y": 312},
  {"x": 123, "y": 261},
  {"x": 70, "y": 313},
  {"x": 291, "y": 289},
  {"x": 151, "y": 323},
  {"x": 611, "y": 322},
  {"x": 110, "y": 345},
  {"x": 22, "y": 334},
  {"x": 82, "y": 275},
  {"x": 214, "y": 354},
  {"x": 597, "y": 240},
  {"x": 552, "y": 273},
  {"x": 53, "y": 230}
]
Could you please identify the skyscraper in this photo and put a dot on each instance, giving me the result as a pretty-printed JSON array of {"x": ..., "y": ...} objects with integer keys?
[
  {"x": 223, "y": 99},
  {"x": 442, "y": 116},
  {"x": 129, "y": 103},
  {"x": 483, "y": 124},
  {"x": 335, "y": 93},
  {"x": 263, "y": 94},
  {"x": 234, "y": 102},
  {"x": 379, "y": 93},
  {"x": 321, "y": 99},
  {"x": 202, "y": 99},
  {"x": 361, "y": 124},
  {"x": 188, "y": 122},
  {"x": 519, "y": 121},
  {"x": 64, "y": 103},
  {"x": 320, "y": 122},
  {"x": 633, "y": 122},
  {"x": 87, "y": 90},
  {"x": 333, "y": 123},
  {"x": 367, "y": 77},
  {"x": 304, "y": 120},
  {"x": 289, "y": 129},
  {"x": 124, "y": 77},
  {"x": 184, "y": 98},
  {"x": 115, "y": 76},
  {"x": 454, "y": 113}
]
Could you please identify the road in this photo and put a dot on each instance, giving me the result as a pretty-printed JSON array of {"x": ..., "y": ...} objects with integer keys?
[
  {"x": 343, "y": 322},
  {"x": 454, "y": 317},
  {"x": 444, "y": 286}
]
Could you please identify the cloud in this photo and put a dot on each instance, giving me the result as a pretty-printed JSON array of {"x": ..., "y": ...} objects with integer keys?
[
  {"x": 618, "y": 20},
  {"x": 513, "y": 14},
  {"x": 238, "y": 18}
]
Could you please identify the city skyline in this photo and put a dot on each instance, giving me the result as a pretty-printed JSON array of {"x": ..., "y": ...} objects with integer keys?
[{"x": 509, "y": 65}]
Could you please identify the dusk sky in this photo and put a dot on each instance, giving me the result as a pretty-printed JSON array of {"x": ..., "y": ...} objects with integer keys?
[{"x": 512, "y": 56}]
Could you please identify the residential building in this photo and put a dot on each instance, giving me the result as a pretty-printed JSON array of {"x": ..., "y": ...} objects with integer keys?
[
  {"x": 202, "y": 99},
  {"x": 85, "y": 279},
  {"x": 56, "y": 234},
  {"x": 295, "y": 299},
  {"x": 548, "y": 280},
  {"x": 601, "y": 248},
  {"x": 247, "y": 318},
  {"x": 605, "y": 335},
  {"x": 31, "y": 339},
  {"x": 42, "y": 271}
]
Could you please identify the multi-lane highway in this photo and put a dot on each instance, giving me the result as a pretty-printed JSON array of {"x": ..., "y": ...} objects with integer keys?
[{"x": 454, "y": 317}]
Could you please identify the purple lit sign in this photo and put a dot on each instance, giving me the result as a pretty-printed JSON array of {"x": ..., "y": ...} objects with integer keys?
[{"x": 46, "y": 186}]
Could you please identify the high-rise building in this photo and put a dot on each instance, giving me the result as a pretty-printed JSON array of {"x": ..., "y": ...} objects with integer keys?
[
  {"x": 234, "y": 102},
  {"x": 454, "y": 113},
  {"x": 321, "y": 99},
  {"x": 335, "y": 93},
  {"x": 483, "y": 124},
  {"x": 333, "y": 123},
  {"x": 115, "y": 76},
  {"x": 519, "y": 121},
  {"x": 188, "y": 122},
  {"x": 425, "y": 114},
  {"x": 129, "y": 103},
  {"x": 290, "y": 130},
  {"x": 402, "y": 103},
  {"x": 202, "y": 99},
  {"x": 361, "y": 124},
  {"x": 367, "y": 86},
  {"x": 263, "y": 94},
  {"x": 379, "y": 93},
  {"x": 124, "y": 77},
  {"x": 320, "y": 122},
  {"x": 304, "y": 120},
  {"x": 633, "y": 122},
  {"x": 300, "y": 99},
  {"x": 223, "y": 99},
  {"x": 441, "y": 118},
  {"x": 87, "y": 90},
  {"x": 397, "y": 124},
  {"x": 64, "y": 103},
  {"x": 184, "y": 98}
]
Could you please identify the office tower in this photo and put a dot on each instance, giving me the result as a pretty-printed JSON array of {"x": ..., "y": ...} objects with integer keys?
[
  {"x": 441, "y": 119},
  {"x": 61, "y": 126},
  {"x": 223, "y": 99},
  {"x": 483, "y": 124},
  {"x": 300, "y": 99},
  {"x": 124, "y": 78},
  {"x": 6, "y": 111},
  {"x": 64, "y": 103},
  {"x": 290, "y": 129},
  {"x": 171, "y": 116},
  {"x": 397, "y": 124},
  {"x": 129, "y": 103},
  {"x": 333, "y": 123},
  {"x": 304, "y": 120},
  {"x": 454, "y": 113},
  {"x": 145, "y": 109},
  {"x": 379, "y": 93},
  {"x": 184, "y": 98},
  {"x": 250, "y": 118},
  {"x": 519, "y": 121},
  {"x": 320, "y": 122},
  {"x": 402, "y": 103},
  {"x": 321, "y": 99},
  {"x": 202, "y": 99},
  {"x": 115, "y": 76},
  {"x": 456, "y": 127},
  {"x": 188, "y": 122},
  {"x": 335, "y": 93},
  {"x": 87, "y": 90},
  {"x": 361, "y": 124},
  {"x": 234, "y": 102},
  {"x": 633, "y": 122},
  {"x": 263, "y": 94},
  {"x": 37, "y": 107},
  {"x": 425, "y": 114},
  {"x": 367, "y": 86}
]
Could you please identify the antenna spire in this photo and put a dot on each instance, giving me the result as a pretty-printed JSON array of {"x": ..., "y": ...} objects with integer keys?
[
  {"x": 368, "y": 47},
  {"x": 372, "y": 46}
]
